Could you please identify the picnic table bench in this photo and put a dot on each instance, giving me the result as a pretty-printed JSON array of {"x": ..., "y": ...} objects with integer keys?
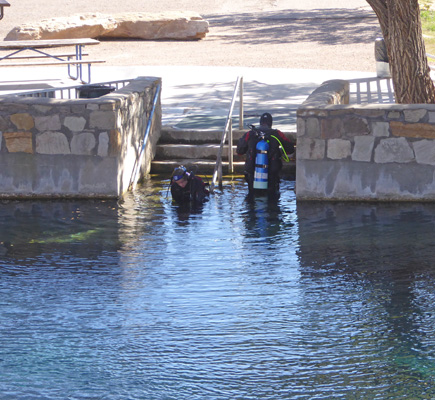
[
  {"x": 42, "y": 49},
  {"x": 3, "y": 3}
]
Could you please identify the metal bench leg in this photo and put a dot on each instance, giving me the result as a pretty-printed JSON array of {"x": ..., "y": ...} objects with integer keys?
[
  {"x": 78, "y": 74},
  {"x": 70, "y": 74},
  {"x": 82, "y": 79}
]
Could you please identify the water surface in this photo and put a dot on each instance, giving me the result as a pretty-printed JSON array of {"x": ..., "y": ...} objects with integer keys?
[{"x": 237, "y": 300}]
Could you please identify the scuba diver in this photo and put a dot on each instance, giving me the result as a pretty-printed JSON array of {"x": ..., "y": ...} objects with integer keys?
[
  {"x": 264, "y": 148},
  {"x": 187, "y": 187}
]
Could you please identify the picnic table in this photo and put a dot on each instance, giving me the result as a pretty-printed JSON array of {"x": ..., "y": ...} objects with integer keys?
[
  {"x": 3, "y": 3},
  {"x": 42, "y": 49}
]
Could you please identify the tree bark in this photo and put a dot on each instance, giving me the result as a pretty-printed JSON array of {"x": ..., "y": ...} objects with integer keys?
[{"x": 401, "y": 27}]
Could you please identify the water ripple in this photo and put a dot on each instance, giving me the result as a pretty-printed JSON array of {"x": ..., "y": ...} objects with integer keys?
[{"x": 237, "y": 300}]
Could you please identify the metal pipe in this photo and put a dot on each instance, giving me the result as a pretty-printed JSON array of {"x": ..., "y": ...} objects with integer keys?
[
  {"x": 230, "y": 148},
  {"x": 138, "y": 162},
  {"x": 241, "y": 117},
  {"x": 224, "y": 135}
]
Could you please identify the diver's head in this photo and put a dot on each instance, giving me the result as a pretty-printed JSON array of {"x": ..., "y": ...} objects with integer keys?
[
  {"x": 266, "y": 119},
  {"x": 180, "y": 175}
]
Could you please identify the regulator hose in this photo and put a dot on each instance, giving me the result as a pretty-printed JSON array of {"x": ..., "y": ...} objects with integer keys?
[{"x": 284, "y": 156}]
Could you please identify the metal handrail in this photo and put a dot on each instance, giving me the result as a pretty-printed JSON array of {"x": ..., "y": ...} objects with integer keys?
[
  {"x": 138, "y": 161},
  {"x": 217, "y": 174}
]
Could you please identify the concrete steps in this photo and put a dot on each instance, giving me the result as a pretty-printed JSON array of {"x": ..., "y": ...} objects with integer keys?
[{"x": 197, "y": 151}]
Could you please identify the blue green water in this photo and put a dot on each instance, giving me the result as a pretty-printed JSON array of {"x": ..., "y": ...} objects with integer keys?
[{"x": 237, "y": 300}]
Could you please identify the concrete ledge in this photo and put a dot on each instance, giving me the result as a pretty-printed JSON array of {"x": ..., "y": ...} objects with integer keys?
[
  {"x": 329, "y": 92},
  {"x": 76, "y": 148}
]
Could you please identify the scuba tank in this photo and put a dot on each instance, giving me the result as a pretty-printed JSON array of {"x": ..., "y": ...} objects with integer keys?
[{"x": 261, "y": 165}]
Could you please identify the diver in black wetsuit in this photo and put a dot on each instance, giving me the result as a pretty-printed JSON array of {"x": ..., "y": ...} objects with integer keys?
[
  {"x": 248, "y": 145},
  {"x": 187, "y": 187}
]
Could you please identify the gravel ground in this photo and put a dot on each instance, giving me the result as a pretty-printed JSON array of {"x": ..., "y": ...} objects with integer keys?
[{"x": 308, "y": 34}]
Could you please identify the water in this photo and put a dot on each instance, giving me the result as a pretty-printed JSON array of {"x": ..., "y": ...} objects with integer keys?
[{"x": 237, "y": 300}]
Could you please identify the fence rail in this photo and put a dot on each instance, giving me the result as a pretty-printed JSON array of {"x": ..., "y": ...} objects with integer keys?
[{"x": 66, "y": 92}]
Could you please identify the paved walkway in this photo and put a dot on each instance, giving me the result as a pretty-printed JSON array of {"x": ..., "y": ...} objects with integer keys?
[{"x": 199, "y": 97}]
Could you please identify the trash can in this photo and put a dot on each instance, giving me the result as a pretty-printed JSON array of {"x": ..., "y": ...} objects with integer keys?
[{"x": 94, "y": 91}]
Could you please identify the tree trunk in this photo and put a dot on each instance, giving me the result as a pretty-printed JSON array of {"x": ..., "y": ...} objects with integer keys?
[{"x": 401, "y": 27}]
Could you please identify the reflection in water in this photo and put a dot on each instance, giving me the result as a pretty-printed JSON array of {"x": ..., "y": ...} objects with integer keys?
[
  {"x": 383, "y": 253},
  {"x": 240, "y": 299}
]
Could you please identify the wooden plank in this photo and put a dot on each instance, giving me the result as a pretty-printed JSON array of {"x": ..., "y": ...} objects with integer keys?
[
  {"x": 42, "y": 63},
  {"x": 37, "y": 44}
]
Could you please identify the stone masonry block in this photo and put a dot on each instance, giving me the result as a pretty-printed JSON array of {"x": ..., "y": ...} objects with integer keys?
[
  {"x": 18, "y": 142},
  {"x": 414, "y": 115},
  {"x": 331, "y": 128},
  {"x": 13, "y": 108},
  {"x": 92, "y": 106},
  {"x": 381, "y": 129},
  {"x": 52, "y": 143},
  {"x": 78, "y": 109},
  {"x": 23, "y": 121},
  {"x": 424, "y": 151},
  {"x": 83, "y": 143},
  {"x": 394, "y": 115},
  {"x": 64, "y": 109},
  {"x": 311, "y": 112},
  {"x": 103, "y": 119},
  {"x": 42, "y": 109},
  {"x": 334, "y": 113},
  {"x": 103, "y": 144},
  {"x": 48, "y": 123},
  {"x": 310, "y": 149},
  {"x": 114, "y": 142},
  {"x": 300, "y": 130},
  {"x": 75, "y": 124},
  {"x": 355, "y": 126},
  {"x": 426, "y": 131},
  {"x": 394, "y": 150},
  {"x": 3, "y": 124},
  {"x": 312, "y": 128},
  {"x": 363, "y": 148},
  {"x": 338, "y": 149},
  {"x": 110, "y": 106},
  {"x": 369, "y": 113}
]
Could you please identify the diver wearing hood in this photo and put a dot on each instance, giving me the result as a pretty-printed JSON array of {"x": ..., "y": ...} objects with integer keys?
[
  {"x": 277, "y": 143},
  {"x": 187, "y": 187}
]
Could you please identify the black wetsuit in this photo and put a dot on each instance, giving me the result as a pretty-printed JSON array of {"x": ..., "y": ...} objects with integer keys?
[
  {"x": 247, "y": 145},
  {"x": 194, "y": 191}
]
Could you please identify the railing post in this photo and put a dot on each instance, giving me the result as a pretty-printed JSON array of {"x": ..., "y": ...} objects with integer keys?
[
  {"x": 217, "y": 174},
  {"x": 220, "y": 175},
  {"x": 230, "y": 147},
  {"x": 241, "y": 121},
  {"x": 138, "y": 161}
]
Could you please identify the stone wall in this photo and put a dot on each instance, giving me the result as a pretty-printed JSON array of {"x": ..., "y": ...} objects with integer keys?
[
  {"x": 364, "y": 152},
  {"x": 77, "y": 148}
]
